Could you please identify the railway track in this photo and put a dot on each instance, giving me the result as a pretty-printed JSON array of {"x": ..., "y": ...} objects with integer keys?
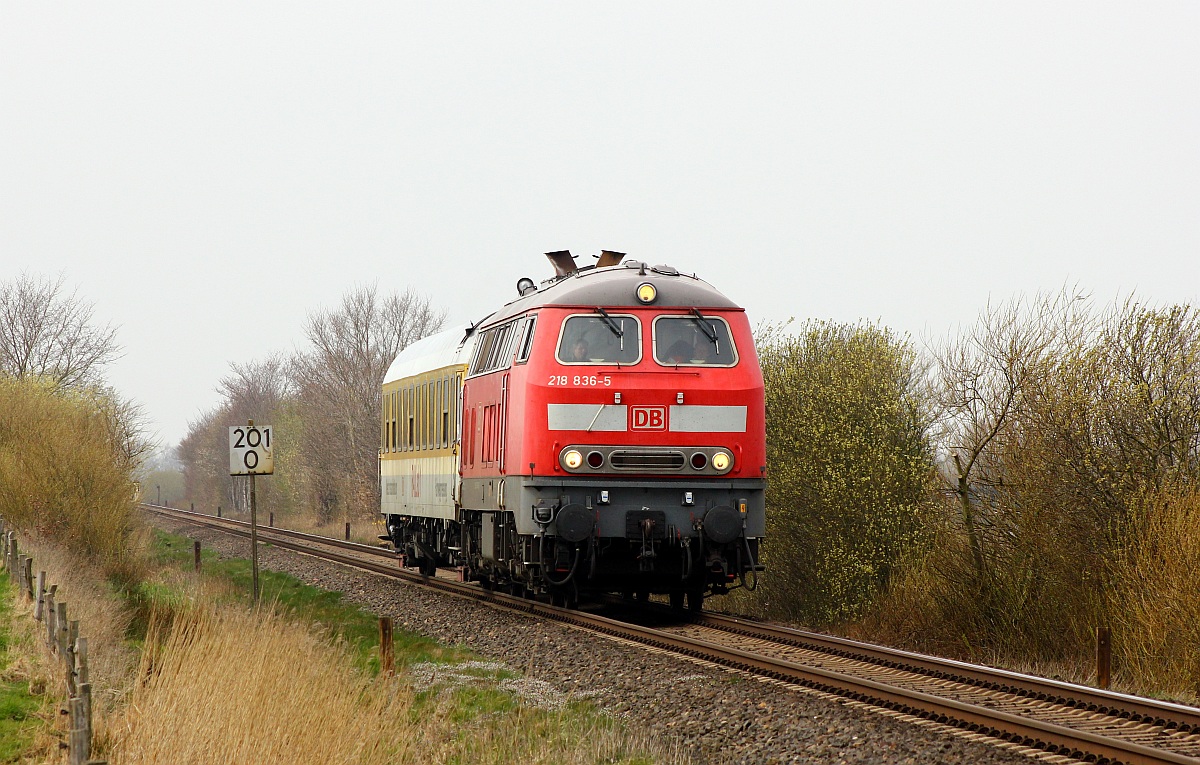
[{"x": 1060, "y": 718}]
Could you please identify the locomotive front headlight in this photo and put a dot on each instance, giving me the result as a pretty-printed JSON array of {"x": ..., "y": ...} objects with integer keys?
[
  {"x": 646, "y": 292},
  {"x": 721, "y": 461},
  {"x": 572, "y": 459}
]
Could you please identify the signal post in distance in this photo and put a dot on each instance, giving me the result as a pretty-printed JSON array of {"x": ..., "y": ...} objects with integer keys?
[{"x": 250, "y": 455}]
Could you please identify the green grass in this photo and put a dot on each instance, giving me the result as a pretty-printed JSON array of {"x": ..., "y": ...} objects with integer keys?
[{"x": 18, "y": 708}]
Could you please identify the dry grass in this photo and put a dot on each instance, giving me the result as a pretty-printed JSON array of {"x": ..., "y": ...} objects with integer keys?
[
  {"x": 104, "y": 618},
  {"x": 24, "y": 664},
  {"x": 235, "y": 686},
  {"x": 104, "y": 621},
  {"x": 1156, "y": 599},
  {"x": 227, "y": 685},
  {"x": 1152, "y": 607}
]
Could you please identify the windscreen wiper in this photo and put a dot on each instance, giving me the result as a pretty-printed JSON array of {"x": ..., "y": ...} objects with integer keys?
[
  {"x": 702, "y": 322},
  {"x": 706, "y": 328},
  {"x": 612, "y": 325}
]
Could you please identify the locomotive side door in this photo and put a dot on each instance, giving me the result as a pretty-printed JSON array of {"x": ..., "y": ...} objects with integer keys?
[{"x": 503, "y": 418}]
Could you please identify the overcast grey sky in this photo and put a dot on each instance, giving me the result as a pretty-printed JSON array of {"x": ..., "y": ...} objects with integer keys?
[{"x": 208, "y": 173}]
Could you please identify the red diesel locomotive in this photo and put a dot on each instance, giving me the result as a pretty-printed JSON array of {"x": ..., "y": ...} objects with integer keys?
[{"x": 604, "y": 432}]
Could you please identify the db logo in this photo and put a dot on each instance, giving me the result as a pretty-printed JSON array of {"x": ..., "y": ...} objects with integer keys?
[{"x": 648, "y": 417}]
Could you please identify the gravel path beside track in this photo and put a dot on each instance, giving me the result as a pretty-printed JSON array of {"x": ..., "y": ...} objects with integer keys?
[{"x": 714, "y": 715}]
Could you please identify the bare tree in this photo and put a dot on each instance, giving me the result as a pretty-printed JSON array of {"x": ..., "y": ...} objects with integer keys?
[
  {"x": 984, "y": 376},
  {"x": 338, "y": 383},
  {"x": 255, "y": 389},
  {"x": 125, "y": 421},
  {"x": 47, "y": 332}
]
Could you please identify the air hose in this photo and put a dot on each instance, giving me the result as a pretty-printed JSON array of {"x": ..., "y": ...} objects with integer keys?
[
  {"x": 753, "y": 566},
  {"x": 575, "y": 558}
]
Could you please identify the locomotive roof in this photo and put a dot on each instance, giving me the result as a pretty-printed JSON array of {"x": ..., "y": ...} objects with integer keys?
[{"x": 616, "y": 286}]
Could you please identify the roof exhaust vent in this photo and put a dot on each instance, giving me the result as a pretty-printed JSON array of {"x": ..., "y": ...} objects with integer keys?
[
  {"x": 609, "y": 258},
  {"x": 564, "y": 262}
]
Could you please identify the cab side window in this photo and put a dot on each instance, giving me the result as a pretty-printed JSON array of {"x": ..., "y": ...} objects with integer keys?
[
  {"x": 526, "y": 345},
  {"x": 495, "y": 349}
]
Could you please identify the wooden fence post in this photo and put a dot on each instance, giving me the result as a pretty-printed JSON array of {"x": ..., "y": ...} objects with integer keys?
[
  {"x": 39, "y": 596},
  {"x": 1103, "y": 657},
  {"x": 196, "y": 555},
  {"x": 61, "y": 629},
  {"x": 347, "y": 531},
  {"x": 51, "y": 615},
  {"x": 81, "y": 663},
  {"x": 80, "y": 744},
  {"x": 387, "y": 658},
  {"x": 11, "y": 558},
  {"x": 28, "y": 577},
  {"x": 71, "y": 661},
  {"x": 85, "y": 693}
]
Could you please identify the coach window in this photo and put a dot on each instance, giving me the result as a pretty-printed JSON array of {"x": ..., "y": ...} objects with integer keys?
[
  {"x": 600, "y": 339},
  {"x": 697, "y": 341},
  {"x": 445, "y": 412},
  {"x": 389, "y": 436},
  {"x": 405, "y": 409},
  {"x": 412, "y": 413},
  {"x": 425, "y": 414},
  {"x": 441, "y": 408}
]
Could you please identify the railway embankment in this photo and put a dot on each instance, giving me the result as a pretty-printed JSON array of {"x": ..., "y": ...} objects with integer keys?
[
  {"x": 194, "y": 673},
  {"x": 709, "y": 713}
]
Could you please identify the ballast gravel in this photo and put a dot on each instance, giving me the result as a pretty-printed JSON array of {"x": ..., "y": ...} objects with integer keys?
[{"x": 711, "y": 714}]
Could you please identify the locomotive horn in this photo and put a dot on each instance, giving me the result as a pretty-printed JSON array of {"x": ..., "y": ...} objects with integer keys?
[
  {"x": 609, "y": 258},
  {"x": 564, "y": 262}
]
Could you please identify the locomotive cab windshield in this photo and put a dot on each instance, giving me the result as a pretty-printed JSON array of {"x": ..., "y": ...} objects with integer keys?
[
  {"x": 600, "y": 338},
  {"x": 694, "y": 340}
]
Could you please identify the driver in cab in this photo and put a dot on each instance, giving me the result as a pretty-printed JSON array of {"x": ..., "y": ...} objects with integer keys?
[{"x": 579, "y": 350}]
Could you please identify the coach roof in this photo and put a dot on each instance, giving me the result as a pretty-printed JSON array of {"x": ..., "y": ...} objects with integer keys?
[{"x": 616, "y": 286}]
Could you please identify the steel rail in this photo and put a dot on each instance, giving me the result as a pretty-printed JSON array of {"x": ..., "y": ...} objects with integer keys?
[
  {"x": 209, "y": 520},
  {"x": 1164, "y": 713},
  {"x": 1057, "y": 739}
]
